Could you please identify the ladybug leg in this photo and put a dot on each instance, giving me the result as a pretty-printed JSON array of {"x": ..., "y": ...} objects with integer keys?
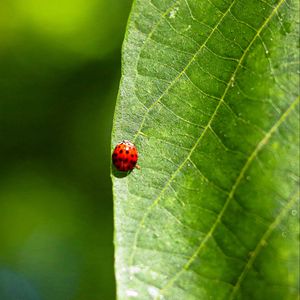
[{"x": 137, "y": 167}]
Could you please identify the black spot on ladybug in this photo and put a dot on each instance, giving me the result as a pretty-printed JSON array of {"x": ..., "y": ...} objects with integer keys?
[
  {"x": 132, "y": 155},
  {"x": 126, "y": 160},
  {"x": 121, "y": 151},
  {"x": 127, "y": 152}
]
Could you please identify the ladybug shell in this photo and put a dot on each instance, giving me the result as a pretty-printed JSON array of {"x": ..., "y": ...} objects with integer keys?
[{"x": 125, "y": 156}]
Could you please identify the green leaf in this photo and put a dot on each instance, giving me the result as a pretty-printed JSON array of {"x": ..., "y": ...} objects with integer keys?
[{"x": 210, "y": 96}]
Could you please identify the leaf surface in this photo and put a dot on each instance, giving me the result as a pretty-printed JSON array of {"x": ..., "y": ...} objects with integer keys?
[{"x": 210, "y": 96}]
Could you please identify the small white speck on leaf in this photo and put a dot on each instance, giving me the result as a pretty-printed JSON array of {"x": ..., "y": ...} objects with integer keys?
[
  {"x": 154, "y": 292},
  {"x": 232, "y": 79},
  {"x": 132, "y": 293},
  {"x": 173, "y": 12},
  {"x": 153, "y": 275},
  {"x": 134, "y": 270}
]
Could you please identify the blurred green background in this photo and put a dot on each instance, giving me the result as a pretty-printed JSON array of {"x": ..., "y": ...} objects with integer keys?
[{"x": 59, "y": 76}]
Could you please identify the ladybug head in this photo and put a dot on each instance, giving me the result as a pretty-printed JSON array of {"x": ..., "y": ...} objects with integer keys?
[{"x": 126, "y": 142}]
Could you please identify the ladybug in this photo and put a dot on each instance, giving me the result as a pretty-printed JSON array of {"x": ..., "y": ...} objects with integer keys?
[{"x": 125, "y": 156}]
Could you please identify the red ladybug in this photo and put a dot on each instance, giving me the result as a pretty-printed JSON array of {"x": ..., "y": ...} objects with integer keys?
[{"x": 125, "y": 156}]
